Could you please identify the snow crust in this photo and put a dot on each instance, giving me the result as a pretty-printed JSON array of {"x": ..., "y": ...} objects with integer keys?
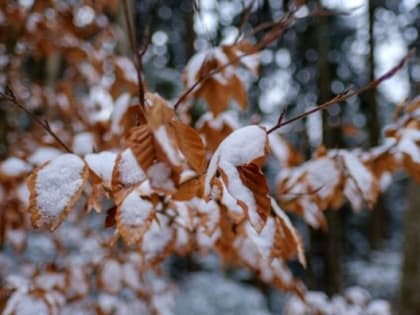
[
  {"x": 14, "y": 167},
  {"x": 241, "y": 147},
  {"x": 83, "y": 143},
  {"x": 129, "y": 169},
  {"x": 102, "y": 164},
  {"x": 134, "y": 210},
  {"x": 43, "y": 154},
  {"x": 162, "y": 137},
  {"x": 57, "y": 183}
]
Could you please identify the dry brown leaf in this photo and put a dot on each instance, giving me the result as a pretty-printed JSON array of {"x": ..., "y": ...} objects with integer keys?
[
  {"x": 191, "y": 145},
  {"x": 238, "y": 92},
  {"x": 158, "y": 112},
  {"x": 216, "y": 95},
  {"x": 141, "y": 142},
  {"x": 189, "y": 189},
  {"x": 253, "y": 178}
]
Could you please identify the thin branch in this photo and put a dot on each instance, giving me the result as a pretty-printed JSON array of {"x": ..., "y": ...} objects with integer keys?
[
  {"x": 9, "y": 96},
  {"x": 276, "y": 32},
  {"x": 347, "y": 94},
  {"x": 245, "y": 19},
  {"x": 138, "y": 53},
  {"x": 208, "y": 75}
]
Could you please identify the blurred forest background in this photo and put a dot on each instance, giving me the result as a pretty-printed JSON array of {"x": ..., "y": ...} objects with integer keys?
[{"x": 315, "y": 59}]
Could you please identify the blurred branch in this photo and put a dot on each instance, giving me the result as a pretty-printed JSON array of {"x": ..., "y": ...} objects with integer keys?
[
  {"x": 274, "y": 34},
  {"x": 9, "y": 96},
  {"x": 347, "y": 94},
  {"x": 244, "y": 20},
  {"x": 138, "y": 54}
]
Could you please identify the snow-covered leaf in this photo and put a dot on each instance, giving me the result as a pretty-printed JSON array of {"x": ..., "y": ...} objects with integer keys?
[
  {"x": 54, "y": 189},
  {"x": 134, "y": 216}
]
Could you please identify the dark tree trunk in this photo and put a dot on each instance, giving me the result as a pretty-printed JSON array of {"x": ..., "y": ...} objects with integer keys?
[
  {"x": 379, "y": 218},
  {"x": 327, "y": 246},
  {"x": 410, "y": 279}
]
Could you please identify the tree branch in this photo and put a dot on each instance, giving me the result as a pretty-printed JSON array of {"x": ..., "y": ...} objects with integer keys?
[
  {"x": 245, "y": 19},
  {"x": 138, "y": 53},
  {"x": 276, "y": 31},
  {"x": 9, "y": 96},
  {"x": 347, "y": 94}
]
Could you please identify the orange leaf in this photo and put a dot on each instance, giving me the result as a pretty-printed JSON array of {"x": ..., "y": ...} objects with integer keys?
[
  {"x": 238, "y": 92},
  {"x": 191, "y": 145},
  {"x": 190, "y": 189},
  {"x": 142, "y": 144},
  {"x": 253, "y": 178}
]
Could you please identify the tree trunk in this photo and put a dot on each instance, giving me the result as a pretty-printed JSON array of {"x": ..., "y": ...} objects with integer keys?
[
  {"x": 410, "y": 279},
  {"x": 379, "y": 217},
  {"x": 327, "y": 246}
]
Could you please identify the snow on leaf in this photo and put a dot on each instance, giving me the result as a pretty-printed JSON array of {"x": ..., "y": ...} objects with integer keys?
[
  {"x": 43, "y": 154},
  {"x": 324, "y": 180},
  {"x": 126, "y": 173},
  {"x": 102, "y": 164},
  {"x": 134, "y": 216},
  {"x": 83, "y": 143},
  {"x": 157, "y": 241},
  {"x": 362, "y": 178},
  {"x": 160, "y": 177},
  {"x": 24, "y": 303},
  {"x": 14, "y": 167},
  {"x": 120, "y": 109},
  {"x": 278, "y": 238},
  {"x": 111, "y": 276},
  {"x": 54, "y": 189},
  {"x": 167, "y": 146},
  {"x": 232, "y": 159},
  {"x": 241, "y": 147}
]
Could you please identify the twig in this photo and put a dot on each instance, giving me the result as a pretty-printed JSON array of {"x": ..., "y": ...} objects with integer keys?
[
  {"x": 10, "y": 97},
  {"x": 138, "y": 53},
  {"x": 347, "y": 94},
  {"x": 208, "y": 75},
  {"x": 245, "y": 19},
  {"x": 278, "y": 28}
]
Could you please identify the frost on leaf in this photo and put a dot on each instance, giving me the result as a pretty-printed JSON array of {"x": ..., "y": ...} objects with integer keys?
[
  {"x": 134, "y": 216},
  {"x": 126, "y": 173},
  {"x": 54, "y": 189},
  {"x": 237, "y": 159},
  {"x": 111, "y": 276},
  {"x": 13, "y": 168},
  {"x": 278, "y": 238},
  {"x": 102, "y": 164},
  {"x": 360, "y": 182},
  {"x": 158, "y": 240}
]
